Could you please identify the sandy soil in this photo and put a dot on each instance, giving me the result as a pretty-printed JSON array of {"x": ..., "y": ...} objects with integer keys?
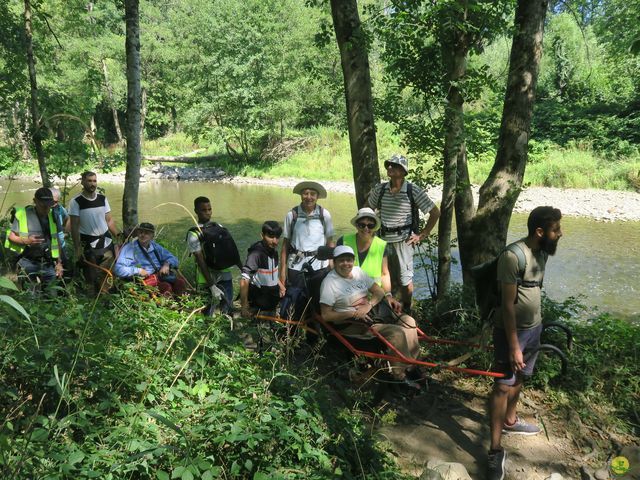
[{"x": 449, "y": 423}]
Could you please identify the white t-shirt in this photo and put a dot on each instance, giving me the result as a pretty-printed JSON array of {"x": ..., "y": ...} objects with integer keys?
[
  {"x": 92, "y": 214},
  {"x": 342, "y": 293},
  {"x": 308, "y": 235}
]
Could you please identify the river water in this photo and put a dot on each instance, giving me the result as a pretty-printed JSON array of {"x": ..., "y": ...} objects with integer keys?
[{"x": 598, "y": 260}]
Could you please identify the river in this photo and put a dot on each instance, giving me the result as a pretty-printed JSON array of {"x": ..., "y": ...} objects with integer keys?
[{"x": 598, "y": 260}]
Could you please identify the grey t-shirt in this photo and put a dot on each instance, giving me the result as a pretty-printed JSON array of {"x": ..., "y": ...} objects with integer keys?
[
  {"x": 34, "y": 224},
  {"x": 528, "y": 305}
]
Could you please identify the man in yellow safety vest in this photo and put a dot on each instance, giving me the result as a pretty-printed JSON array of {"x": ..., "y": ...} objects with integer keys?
[{"x": 34, "y": 236}]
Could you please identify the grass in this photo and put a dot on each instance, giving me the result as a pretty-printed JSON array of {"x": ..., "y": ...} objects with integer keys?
[
  {"x": 138, "y": 387},
  {"x": 326, "y": 156},
  {"x": 572, "y": 167}
]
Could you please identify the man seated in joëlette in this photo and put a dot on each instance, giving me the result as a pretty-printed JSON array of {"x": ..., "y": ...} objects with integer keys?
[{"x": 145, "y": 259}]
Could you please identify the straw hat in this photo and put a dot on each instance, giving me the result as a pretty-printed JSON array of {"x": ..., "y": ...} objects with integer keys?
[
  {"x": 300, "y": 187},
  {"x": 366, "y": 212}
]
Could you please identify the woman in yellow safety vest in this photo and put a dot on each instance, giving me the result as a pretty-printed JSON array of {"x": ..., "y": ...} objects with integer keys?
[{"x": 370, "y": 250}]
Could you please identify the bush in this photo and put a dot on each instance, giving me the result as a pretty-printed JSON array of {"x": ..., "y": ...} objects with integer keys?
[{"x": 141, "y": 389}]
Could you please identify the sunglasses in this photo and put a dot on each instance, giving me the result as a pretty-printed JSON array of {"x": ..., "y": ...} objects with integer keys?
[{"x": 363, "y": 225}]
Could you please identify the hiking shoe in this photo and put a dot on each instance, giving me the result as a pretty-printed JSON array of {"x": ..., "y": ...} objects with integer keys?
[
  {"x": 495, "y": 464},
  {"x": 520, "y": 427}
]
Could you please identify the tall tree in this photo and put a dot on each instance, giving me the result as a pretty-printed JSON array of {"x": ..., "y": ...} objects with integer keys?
[
  {"x": 482, "y": 233},
  {"x": 111, "y": 100},
  {"x": 36, "y": 132},
  {"x": 357, "y": 89},
  {"x": 427, "y": 47},
  {"x": 455, "y": 49},
  {"x": 132, "y": 175}
]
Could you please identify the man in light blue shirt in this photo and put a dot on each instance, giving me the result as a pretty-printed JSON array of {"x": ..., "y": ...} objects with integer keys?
[{"x": 146, "y": 259}]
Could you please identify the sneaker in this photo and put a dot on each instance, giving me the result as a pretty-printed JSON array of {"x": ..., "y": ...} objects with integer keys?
[
  {"x": 495, "y": 464},
  {"x": 520, "y": 427}
]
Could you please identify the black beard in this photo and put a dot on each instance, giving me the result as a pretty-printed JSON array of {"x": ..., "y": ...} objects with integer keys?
[{"x": 549, "y": 246}]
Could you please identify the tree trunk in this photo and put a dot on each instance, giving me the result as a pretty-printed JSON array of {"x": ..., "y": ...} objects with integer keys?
[
  {"x": 482, "y": 235},
  {"x": 35, "y": 114},
  {"x": 132, "y": 175},
  {"x": 174, "y": 119},
  {"x": 19, "y": 133},
  {"x": 454, "y": 52},
  {"x": 357, "y": 88},
  {"x": 112, "y": 103},
  {"x": 143, "y": 115}
]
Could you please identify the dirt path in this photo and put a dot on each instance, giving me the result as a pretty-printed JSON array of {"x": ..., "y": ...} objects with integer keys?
[{"x": 450, "y": 424}]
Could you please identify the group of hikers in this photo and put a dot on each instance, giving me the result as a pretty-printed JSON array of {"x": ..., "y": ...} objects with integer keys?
[{"x": 354, "y": 287}]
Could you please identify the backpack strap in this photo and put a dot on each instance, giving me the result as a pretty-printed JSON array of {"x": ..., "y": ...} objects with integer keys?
[
  {"x": 384, "y": 185},
  {"x": 148, "y": 257},
  {"x": 522, "y": 265},
  {"x": 415, "y": 215},
  {"x": 295, "y": 213}
]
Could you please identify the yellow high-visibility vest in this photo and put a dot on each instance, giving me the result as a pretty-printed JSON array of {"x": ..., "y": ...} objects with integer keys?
[
  {"x": 23, "y": 226},
  {"x": 372, "y": 264}
]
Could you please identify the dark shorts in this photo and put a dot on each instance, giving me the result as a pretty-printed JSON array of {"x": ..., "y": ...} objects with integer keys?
[{"x": 529, "y": 340}]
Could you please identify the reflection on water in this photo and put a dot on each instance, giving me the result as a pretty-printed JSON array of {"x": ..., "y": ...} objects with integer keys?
[{"x": 598, "y": 260}]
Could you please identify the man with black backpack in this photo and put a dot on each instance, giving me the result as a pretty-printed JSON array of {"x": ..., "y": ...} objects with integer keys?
[
  {"x": 398, "y": 202},
  {"x": 517, "y": 327},
  {"x": 93, "y": 231},
  {"x": 215, "y": 252}
]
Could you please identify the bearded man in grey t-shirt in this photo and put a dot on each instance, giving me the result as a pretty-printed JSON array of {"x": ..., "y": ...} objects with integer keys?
[{"x": 518, "y": 325}]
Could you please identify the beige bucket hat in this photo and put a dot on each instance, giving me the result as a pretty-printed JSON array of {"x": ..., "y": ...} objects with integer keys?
[
  {"x": 300, "y": 187},
  {"x": 366, "y": 212}
]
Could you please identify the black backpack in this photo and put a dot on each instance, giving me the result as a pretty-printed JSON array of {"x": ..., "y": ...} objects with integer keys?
[
  {"x": 219, "y": 248},
  {"x": 485, "y": 277}
]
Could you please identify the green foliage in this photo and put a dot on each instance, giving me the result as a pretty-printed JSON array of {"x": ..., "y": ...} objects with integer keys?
[
  {"x": 574, "y": 67},
  {"x": 141, "y": 388},
  {"x": 417, "y": 48},
  {"x": 8, "y": 159},
  {"x": 251, "y": 82},
  {"x": 604, "y": 368}
]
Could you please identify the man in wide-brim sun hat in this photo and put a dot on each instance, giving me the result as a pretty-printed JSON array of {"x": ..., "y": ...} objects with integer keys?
[{"x": 307, "y": 226}]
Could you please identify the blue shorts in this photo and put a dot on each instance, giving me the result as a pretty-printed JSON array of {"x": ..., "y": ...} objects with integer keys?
[{"x": 529, "y": 340}]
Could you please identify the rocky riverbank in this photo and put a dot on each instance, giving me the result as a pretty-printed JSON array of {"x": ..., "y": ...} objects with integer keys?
[{"x": 604, "y": 205}]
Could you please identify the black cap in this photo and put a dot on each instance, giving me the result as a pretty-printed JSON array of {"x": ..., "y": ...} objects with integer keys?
[
  {"x": 147, "y": 226},
  {"x": 45, "y": 196}
]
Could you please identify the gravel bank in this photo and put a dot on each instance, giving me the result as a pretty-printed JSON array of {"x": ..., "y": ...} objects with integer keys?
[{"x": 604, "y": 205}]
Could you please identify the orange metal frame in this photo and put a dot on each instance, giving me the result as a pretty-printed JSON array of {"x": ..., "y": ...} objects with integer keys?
[{"x": 398, "y": 357}]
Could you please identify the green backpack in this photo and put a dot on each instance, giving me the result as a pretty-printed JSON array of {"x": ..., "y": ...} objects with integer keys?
[{"x": 485, "y": 277}]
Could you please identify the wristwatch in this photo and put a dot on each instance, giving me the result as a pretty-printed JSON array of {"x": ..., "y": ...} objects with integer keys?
[{"x": 388, "y": 294}]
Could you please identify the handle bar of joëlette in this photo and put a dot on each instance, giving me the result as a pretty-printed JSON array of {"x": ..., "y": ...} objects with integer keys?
[{"x": 564, "y": 328}]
